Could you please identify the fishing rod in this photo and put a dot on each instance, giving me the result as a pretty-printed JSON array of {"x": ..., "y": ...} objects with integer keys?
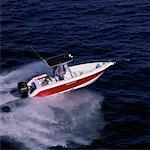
[
  {"x": 38, "y": 55},
  {"x": 41, "y": 58}
]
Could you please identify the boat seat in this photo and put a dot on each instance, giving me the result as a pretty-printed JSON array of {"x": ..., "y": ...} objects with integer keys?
[
  {"x": 98, "y": 66},
  {"x": 75, "y": 74},
  {"x": 81, "y": 72}
]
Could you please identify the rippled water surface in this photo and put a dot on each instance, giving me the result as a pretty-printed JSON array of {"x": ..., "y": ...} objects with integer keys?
[{"x": 111, "y": 113}]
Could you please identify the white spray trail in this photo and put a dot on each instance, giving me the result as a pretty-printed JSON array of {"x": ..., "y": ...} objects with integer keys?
[
  {"x": 40, "y": 123},
  {"x": 8, "y": 81}
]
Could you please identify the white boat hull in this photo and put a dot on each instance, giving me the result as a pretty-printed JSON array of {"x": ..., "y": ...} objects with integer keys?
[{"x": 83, "y": 75}]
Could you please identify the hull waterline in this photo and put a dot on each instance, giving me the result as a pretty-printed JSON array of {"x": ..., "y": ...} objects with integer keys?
[
  {"x": 78, "y": 76},
  {"x": 71, "y": 85}
]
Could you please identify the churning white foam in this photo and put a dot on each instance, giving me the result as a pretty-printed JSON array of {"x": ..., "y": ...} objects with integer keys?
[
  {"x": 8, "y": 81},
  {"x": 40, "y": 123}
]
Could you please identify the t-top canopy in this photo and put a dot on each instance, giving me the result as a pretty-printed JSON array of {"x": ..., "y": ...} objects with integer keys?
[{"x": 60, "y": 59}]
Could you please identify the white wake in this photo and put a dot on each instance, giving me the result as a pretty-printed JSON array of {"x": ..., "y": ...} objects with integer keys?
[{"x": 40, "y": 123}]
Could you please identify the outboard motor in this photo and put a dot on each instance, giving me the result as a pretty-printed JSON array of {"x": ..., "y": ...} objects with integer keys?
[{"x": 23, "y": 89}]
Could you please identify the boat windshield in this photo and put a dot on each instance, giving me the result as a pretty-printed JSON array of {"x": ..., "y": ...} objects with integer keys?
[{"x": 32, "y": 87}]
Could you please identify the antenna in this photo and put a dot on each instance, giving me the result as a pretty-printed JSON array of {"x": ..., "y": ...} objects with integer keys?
[{"x": 38, "y": 54}]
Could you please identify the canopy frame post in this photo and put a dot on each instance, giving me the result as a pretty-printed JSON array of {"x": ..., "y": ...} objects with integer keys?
[{"x": 67, "y": 67}]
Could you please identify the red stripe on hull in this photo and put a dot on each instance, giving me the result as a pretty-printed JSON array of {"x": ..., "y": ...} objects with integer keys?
[{"x": 67, "y": 86}]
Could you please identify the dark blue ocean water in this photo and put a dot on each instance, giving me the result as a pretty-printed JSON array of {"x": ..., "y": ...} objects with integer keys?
[{"x": 112, "y": 113}]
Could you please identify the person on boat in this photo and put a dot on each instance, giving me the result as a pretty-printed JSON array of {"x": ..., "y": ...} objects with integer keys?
[
  {"x": 59, "y": 71},
  {"x": 45, "y": 81}
]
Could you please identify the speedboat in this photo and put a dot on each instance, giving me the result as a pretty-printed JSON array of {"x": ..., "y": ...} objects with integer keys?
[{"x": 74, "y": 77}]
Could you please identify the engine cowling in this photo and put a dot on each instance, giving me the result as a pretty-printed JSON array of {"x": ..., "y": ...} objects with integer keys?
[{"x": 23, "y": 89}]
